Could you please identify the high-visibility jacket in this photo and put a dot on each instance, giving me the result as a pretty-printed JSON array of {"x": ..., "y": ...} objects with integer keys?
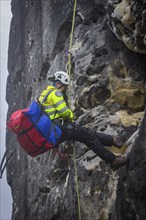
[{"x": 55, "y": 105}]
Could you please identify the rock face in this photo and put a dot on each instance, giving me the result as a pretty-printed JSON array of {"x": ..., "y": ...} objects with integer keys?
[
  {"x": 108, "y": 95},
  {"x": 132, "y": 183},
  {"x": 127, "y": 20}
]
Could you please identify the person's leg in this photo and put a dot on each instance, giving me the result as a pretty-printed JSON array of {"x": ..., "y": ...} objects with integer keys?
[
  {"x": 108, "y": 140},
  {"x": 89, "y": 138},
  {"x": 105, "y": 139}
]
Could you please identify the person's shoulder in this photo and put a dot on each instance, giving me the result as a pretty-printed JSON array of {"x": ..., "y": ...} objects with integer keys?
[
  {"x": 58, "y": 93},
  {"x": 50, "y": 87}
]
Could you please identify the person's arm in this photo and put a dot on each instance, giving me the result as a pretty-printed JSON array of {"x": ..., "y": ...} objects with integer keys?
[{"x": 61, "y": 106}]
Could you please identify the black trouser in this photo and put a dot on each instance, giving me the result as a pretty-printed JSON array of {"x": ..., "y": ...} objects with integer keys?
[{"x": 95, "y": 141}]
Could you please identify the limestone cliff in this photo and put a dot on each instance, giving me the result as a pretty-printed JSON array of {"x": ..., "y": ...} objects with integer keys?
[{"x": 108, "y": 92}]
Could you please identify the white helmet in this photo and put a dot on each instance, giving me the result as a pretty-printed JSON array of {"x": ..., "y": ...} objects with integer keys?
[{"x": 63, "y": 77}]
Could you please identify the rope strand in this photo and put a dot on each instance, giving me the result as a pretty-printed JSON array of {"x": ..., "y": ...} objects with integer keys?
[
  {"x": 77, "y": 183},
  {"x": 71, "y": 37},
  {"x": 69, "y": 73}
]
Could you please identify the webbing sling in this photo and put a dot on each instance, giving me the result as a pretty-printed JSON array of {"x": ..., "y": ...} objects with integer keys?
[{"x": 2, "y": 164}]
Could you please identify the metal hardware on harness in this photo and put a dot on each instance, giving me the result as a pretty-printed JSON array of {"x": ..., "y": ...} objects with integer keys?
[{"x": 59, "y": 121}]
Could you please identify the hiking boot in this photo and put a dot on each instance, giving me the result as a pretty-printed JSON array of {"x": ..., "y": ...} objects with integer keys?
[
  {"x": 119, "y": 140},
  {"x": 118, "y": 162}
]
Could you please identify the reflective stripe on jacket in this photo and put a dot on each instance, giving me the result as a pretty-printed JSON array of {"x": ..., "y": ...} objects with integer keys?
[{"x": 55, "y": 105}]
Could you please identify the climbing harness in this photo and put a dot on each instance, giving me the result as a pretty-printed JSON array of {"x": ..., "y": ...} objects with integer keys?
[{"x": 2, "y": 164}]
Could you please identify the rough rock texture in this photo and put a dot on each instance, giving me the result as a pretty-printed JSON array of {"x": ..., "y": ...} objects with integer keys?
[
  {"x": 131, "y": 194},
  {"x": 108, "y": 92},
  {"x": 127, "y": 19}
]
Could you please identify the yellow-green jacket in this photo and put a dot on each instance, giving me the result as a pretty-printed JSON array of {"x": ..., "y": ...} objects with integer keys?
[{"x": 55, "y": 105}]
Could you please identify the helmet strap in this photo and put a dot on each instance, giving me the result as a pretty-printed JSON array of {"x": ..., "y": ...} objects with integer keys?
[{"x": 54, "y": 84}]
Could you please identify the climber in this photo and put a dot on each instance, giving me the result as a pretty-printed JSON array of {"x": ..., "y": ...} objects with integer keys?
[{"x": 57, "y": 108}]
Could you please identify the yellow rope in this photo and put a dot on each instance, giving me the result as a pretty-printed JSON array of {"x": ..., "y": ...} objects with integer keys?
[
  {"x": 77, "y": 183},
  {"x": 71, "y": 39},
  {"x": 68, "y": 67}
]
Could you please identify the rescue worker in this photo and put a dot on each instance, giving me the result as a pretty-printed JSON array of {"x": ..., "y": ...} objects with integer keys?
[{"x": 57, "y": 109}]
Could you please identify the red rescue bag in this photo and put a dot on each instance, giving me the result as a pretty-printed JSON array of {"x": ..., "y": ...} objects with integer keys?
[{"x": 35, "y": 131}]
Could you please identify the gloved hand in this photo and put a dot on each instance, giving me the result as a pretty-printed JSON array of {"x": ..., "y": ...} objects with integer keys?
[{"x": 71, "y": 116}]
